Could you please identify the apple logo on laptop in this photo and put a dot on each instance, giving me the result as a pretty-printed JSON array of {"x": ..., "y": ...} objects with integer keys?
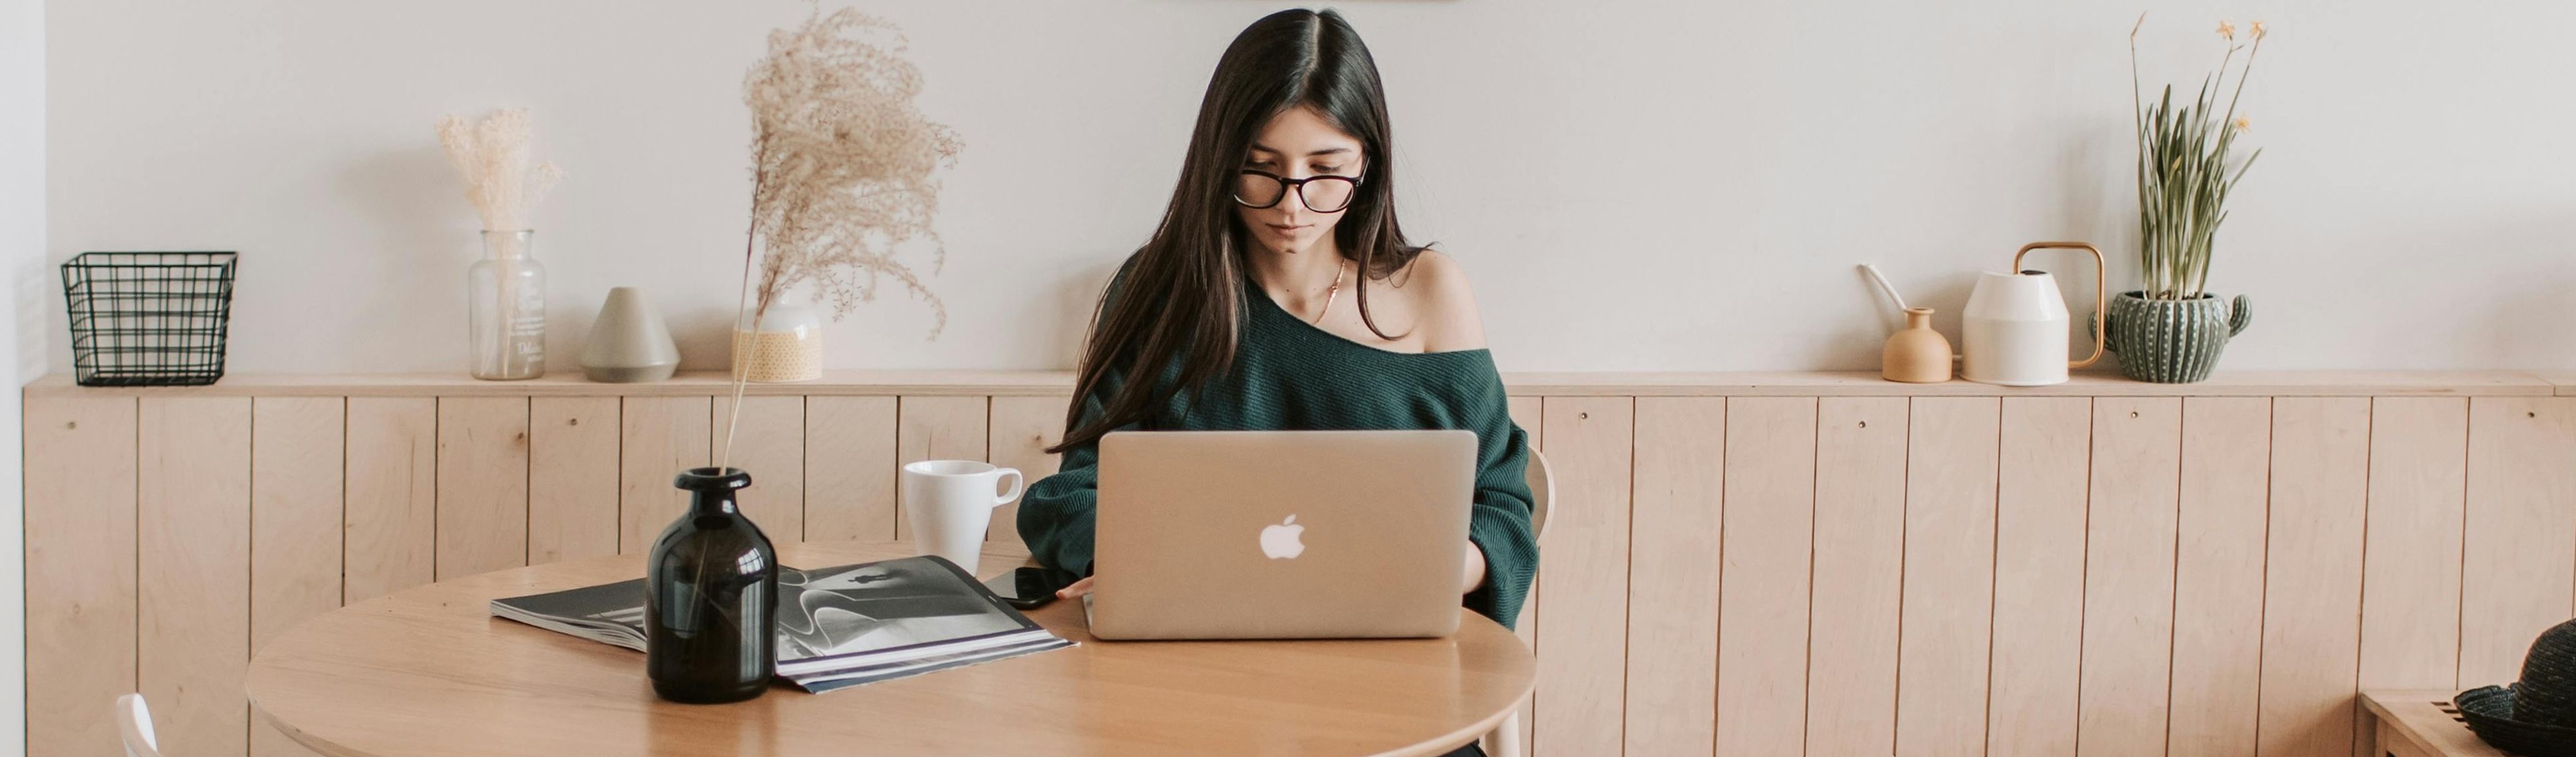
[{"x": 1281, "y": 542}]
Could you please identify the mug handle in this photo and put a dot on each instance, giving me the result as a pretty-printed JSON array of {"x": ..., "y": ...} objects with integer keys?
[{"x": 1017, "y": 483}]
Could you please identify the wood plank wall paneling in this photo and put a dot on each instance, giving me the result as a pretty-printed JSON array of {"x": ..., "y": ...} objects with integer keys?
[
  {"x": 391, "y": 535},
  {"x": 2040, "y": 499},
  {"x": 1023, "y": 429},
  {"x": 2410, "y": 575},
  {"x": 1583, "y": 663},
  {"x": 572, "y": 477},
  {"x": 2128, "y": 576},
  {"x": 2024, "y": 575},
  {"x": 2218, "y": 606},
  {"x": 772, "y": 450},
  {"x": 849, "y": 468},
  {"x": 661, "y": 436},
  {"x": 1859, "y": 573},
  {"x": 1530, "y": 414},
  {"x": 193, "y": 601},
  {"x": 2312, "y": 576},
  {"x": 2519, "y": 549},
  {"x": 80, "y": 496},
  {"x": 482, "y": 484},
  {"x": 1680, "y": 470},
  {"x": 1769, "y": 521},
  {"x": 1949, "y": 576},
  {"x": 295, "y": 486},
  {"x": 937, "y": 428}
]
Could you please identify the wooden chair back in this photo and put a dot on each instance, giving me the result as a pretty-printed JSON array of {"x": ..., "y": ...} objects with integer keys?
[{"x": 1505, "y": 740}]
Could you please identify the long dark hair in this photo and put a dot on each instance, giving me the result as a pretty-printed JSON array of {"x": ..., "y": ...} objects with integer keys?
[{"x": 1179, "y": 300}]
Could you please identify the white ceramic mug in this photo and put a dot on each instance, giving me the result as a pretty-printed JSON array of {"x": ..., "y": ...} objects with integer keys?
[{"x": 950, "y": 502}]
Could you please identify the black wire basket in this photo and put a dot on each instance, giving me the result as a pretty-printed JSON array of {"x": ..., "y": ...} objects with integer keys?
[{"x": 149, "y": 318}]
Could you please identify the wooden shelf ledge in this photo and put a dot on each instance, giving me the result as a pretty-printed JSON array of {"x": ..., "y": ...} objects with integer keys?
[
  {"x": 1045, "y": 383},
  {"x": 2564, "y": 380}
]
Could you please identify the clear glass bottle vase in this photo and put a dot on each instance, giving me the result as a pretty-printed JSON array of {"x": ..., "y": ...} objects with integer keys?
[{"x": 506, "y": 297}]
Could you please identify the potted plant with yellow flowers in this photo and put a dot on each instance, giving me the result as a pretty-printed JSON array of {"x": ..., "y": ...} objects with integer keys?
[{"x": 2172, "y": 329}]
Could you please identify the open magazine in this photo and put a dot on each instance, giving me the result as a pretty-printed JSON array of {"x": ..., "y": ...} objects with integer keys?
[{"x": 837, "y": 627}]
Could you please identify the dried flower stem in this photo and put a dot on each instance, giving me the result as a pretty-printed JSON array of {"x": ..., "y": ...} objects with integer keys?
[
  {"x": 843, "y": 165},
  {"x": 492, "y": 157}
]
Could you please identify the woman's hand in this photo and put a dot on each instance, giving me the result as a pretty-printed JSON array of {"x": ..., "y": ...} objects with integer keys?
[{"x": 1078, "y": 589}]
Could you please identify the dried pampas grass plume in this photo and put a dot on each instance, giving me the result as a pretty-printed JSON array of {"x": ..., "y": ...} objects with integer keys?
[
  {"x": 843, "y": 165},
  {"x": 492, "y": 157}
]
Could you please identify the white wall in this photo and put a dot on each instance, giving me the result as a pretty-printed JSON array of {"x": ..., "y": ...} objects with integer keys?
[
  {"x": 1673, "y": 184},
  {"x": 22, "y": 253}
]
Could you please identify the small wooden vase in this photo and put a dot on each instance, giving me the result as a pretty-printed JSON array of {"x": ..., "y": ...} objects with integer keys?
[{"x": 1916, "y": 354}]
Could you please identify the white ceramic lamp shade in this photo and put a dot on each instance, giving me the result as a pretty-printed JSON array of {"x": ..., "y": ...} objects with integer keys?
[
  {"x": 629, "y": 343},
  {"x": 786, "y": 345}
]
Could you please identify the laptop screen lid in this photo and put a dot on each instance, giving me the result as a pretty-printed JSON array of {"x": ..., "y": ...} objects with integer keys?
[{"x": 1281, "y": 534}]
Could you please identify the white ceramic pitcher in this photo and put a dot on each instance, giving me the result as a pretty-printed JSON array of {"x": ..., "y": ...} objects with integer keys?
[{"x": 2015, "y": 324}]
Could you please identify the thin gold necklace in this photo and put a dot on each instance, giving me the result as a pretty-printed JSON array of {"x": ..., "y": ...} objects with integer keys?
[{"x": 1331, "y": 292}]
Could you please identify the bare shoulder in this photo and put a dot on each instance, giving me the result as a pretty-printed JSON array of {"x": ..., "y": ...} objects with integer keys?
[{"x": 1445, "y": 303}]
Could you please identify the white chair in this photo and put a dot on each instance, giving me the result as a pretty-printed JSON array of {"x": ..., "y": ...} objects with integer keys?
[
  {"x": 1505, "y": 740},
  {"x": 134, "y": 724}
]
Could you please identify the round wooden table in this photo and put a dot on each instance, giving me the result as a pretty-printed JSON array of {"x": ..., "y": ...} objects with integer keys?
[{"x": 428, "y": 671}]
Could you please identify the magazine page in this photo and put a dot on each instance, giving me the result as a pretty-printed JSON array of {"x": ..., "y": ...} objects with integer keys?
[
  {"x": 604, "y": 607},
  {"x": 886, "y": 607},
  {"x": 841, "y": 679}
]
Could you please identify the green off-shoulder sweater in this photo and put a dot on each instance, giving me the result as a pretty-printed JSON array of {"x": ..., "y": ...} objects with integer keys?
[{"x": 1291, "y": 375}]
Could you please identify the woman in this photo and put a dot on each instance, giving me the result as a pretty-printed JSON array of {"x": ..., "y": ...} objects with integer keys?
[{"x": 1279, "y": 293}]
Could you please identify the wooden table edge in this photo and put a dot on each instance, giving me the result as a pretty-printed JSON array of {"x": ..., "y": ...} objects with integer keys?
[
  {"x": 2385, "y": 705},
  {"x": 2387, "y": 721},
  {"x": 319, "y": 745},
  {"x": 1012, "y": 555},
  {"x": 1442, "y": 745},
  {"x": 1472, "y": 735}
]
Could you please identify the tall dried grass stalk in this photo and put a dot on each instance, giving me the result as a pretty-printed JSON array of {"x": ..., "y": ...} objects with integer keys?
[{"x": 843, "y": 172}]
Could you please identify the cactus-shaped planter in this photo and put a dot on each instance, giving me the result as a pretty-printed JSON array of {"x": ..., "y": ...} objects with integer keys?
[{"x": 2172, "y": 341}]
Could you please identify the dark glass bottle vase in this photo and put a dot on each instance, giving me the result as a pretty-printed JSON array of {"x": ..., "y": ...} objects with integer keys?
[{"x": 711, "y": 598}]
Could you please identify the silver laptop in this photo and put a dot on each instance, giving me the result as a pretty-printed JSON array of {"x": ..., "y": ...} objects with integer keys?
[{"x": 1280, "y": 534}]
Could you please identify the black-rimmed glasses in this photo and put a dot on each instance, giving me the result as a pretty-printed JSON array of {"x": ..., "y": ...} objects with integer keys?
[{"x": 1322, "y": 194}]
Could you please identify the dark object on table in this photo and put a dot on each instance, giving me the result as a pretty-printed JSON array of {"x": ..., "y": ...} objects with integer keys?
[
  {"x": 711, "y": 597},
  {"x": 2536, "y": 716},
  {"x": 2489, "y": 712},
  {"x": 148, "y": 318},
  {"x": 1029, "y": 588}
]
